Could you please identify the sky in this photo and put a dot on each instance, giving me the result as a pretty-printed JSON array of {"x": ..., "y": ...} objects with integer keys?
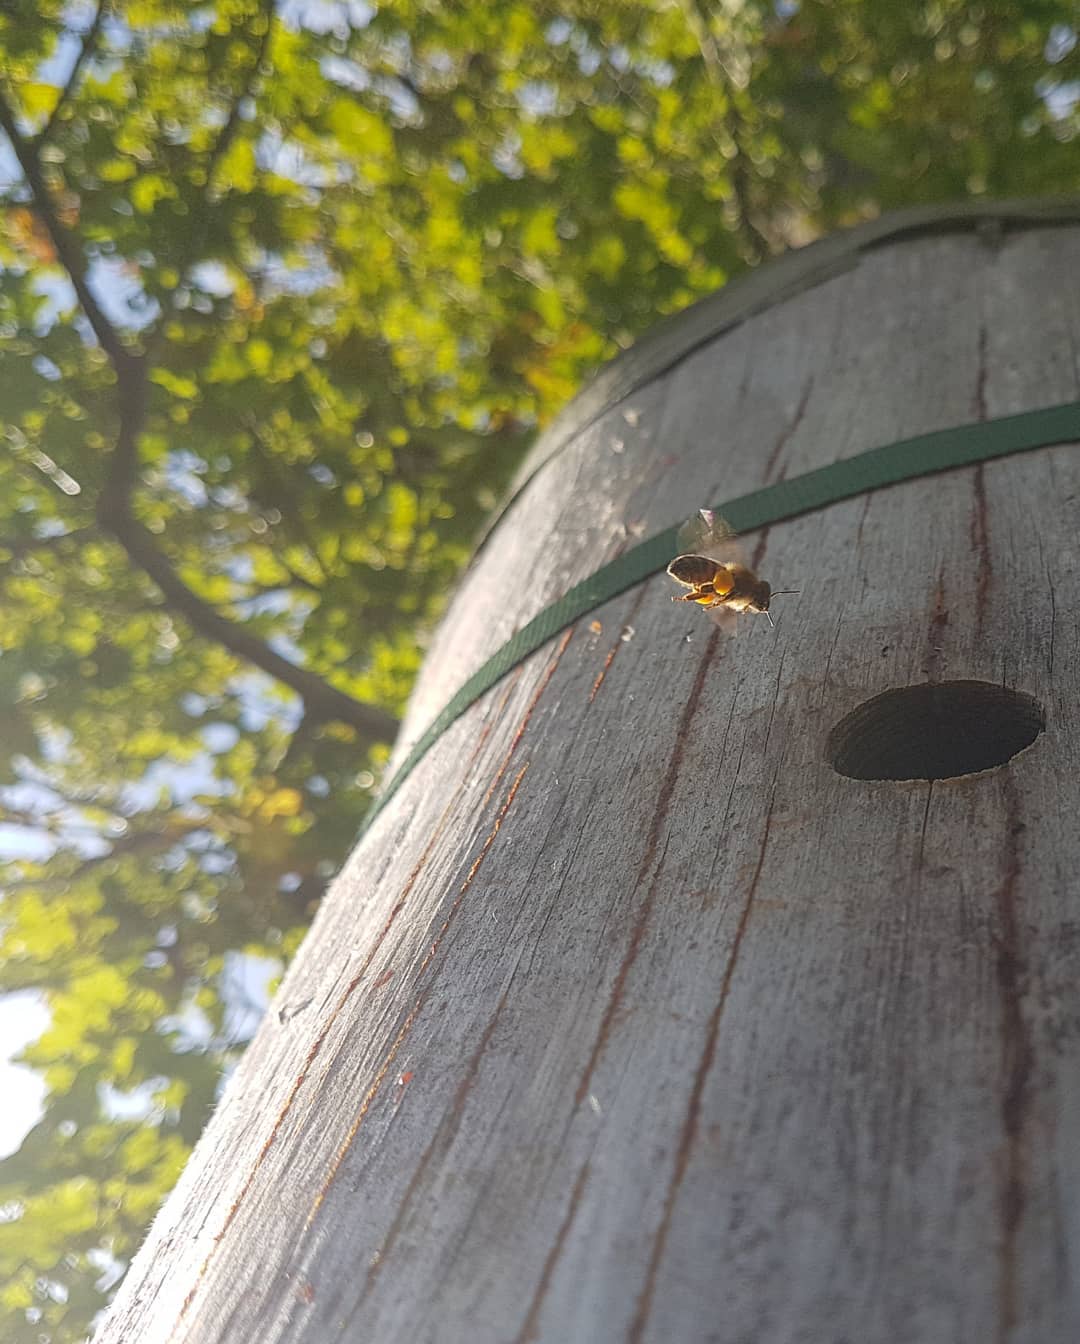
[{"x": 23, "y": 1017}]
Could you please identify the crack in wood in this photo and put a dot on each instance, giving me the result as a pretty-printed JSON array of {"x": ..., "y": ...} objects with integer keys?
[
  {"x": 980, "y": 528},
  {"x": 868, "y": 499},
  {"x": 441, "y": 1140},
  {"x": 785, "y": 436},
  {"x": 532, "y": 1319},
  {"x": 542, "y": 686},
  {"x": 691, "y": 1123},
  {"x": 410, "y": 1021},
  {"x": 782, "y": 439},
  {"x": 828, "y": 661},
  {"x": 659, "y": 820},
  {"x": 1017, "y": 1064},
  {"x": 936, "y": 634},
  {"x": 980, "y": 545},
  {"x": 979, "y": 400},
  {"x": 634, "y": 608},
  {"x": 922, "y": 832}
]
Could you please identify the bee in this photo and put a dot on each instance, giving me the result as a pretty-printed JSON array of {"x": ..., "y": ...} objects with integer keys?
[{"x": 722, "y": 585}]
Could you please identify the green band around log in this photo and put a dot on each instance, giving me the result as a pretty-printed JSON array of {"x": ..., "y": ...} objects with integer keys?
[{"x": 903, "y": 461}]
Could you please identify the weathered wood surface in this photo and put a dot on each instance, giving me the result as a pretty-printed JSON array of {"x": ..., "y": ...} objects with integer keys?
[{"x": 630, "y": 1020}]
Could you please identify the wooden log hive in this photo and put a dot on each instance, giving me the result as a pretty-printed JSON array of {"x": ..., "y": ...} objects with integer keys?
[{"x": 632, "y": 1018}]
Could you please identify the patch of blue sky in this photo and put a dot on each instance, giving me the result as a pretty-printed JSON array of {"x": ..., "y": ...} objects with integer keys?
[
  {"x": 24, "y": 1015},
  {"x": 10, "y": 172},
  {"x": 119, "y": 293},
  {"x": 212, "y": 278},
  {"x": 182, "y": 472},
  {"x": 276, "y": 154},
  {"x": 58, "y": 65},
  {"x": 67, "y": 828},
  {"x": 190, "y": 1028},
  {"x": 287, "y": 648},
  {"x": 538, "y": 98},
  {"x": 1059, "y": 43},
  {"x": 262, "y": 700},
  {"x": 506, "y": 156},
  {"x": 1059, "y": 97},
  {"x": 137, "y": 1104},
  {"x": 334, "y": 17},
  {"x": 345, "y": 73},
  {"x": 302, "y": 279},
  {"x": 26, "y": 842},
  {"x": 244, "y": 985},
  {"x": 268, "y": 604},
  {"x": 180, "y": 782},
  {"x": 219, "y": 737},
  {"x": 46, "y": 368},
  {"x": 56, "y": 68}
]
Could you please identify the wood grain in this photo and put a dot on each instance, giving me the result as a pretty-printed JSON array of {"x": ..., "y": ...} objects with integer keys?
[{"x": 630, "y": 1019}]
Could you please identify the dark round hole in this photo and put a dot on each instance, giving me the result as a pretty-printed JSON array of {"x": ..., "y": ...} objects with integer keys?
[{"x": 934, "y": 731}]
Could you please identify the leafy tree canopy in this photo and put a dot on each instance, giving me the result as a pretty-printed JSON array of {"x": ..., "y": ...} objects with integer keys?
[{"x": 285, "y": 287}]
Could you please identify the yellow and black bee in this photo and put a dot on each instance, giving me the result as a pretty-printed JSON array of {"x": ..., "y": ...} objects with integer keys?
[{"x": 718, "y": 584}]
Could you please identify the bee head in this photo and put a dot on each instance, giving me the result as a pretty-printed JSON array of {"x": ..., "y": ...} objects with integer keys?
[
  {"x": 764, "y": 595},
  {"x": 760, "y": 597}
]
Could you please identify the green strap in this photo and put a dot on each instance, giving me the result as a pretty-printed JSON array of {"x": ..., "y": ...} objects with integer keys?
[{"x": 921, "y": 456}]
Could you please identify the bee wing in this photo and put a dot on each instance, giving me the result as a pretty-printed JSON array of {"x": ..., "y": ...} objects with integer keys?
[
  {"x": 726, "y": 619},
  {"x": 694, "y": 570},
  {"x": 706, "y": 533}
]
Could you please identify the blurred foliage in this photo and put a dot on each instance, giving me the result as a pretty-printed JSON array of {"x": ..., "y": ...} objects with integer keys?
[{"x": 284, "y": 290}]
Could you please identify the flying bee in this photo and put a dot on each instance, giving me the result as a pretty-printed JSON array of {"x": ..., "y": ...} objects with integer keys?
[{"x": 718, "y": 580}]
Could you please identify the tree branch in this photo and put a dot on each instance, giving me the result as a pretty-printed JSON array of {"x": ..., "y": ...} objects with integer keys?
[
  {"x": 67, "y": 250},
  {"x": 322, "y": 701},
  {"x": 90, "y": 40}
]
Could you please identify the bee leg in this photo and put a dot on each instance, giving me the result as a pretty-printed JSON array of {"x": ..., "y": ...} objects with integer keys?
[{"x": 702, "y": 593}]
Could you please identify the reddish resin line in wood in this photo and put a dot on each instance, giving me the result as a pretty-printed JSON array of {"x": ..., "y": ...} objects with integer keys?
[
  {"x": 659, "y": 820},
  {"x": 936, "y": 634},
  {"x": 410, "y": 1021},
  {"x": 1017, "y": 1062},
  {"x": 788, "y": 433},
  {"x": 531, "y": 1323},
  {"x": 634, "y": 608},
  {"x": 980, "y": 527},
  {"x": 692, "y": 1122},
  {"x": 549, "y": 672},
  {"x": 442, "y": 1138},
  {"x": 980, "y": 544}
]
